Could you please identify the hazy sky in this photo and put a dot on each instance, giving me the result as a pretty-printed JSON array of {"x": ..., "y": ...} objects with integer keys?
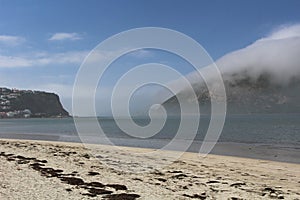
[{"x": 42, "y": 43}]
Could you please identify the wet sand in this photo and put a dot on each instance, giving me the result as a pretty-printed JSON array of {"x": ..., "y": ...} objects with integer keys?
[{"x": 56, "y": 170}]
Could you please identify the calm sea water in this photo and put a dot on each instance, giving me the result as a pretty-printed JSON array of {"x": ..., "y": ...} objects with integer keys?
[{"x": 276, "y": 131}]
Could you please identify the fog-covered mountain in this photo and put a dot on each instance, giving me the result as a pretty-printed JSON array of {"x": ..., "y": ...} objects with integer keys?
[
  {"x": 264, "y": 77},
  {"x": 248, "y": 95}
]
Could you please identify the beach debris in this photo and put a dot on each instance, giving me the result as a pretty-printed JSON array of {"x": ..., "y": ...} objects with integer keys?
[
  {"x": 280, "y": 196},
  {"x": 93, "y": 173},
  {"x": 212, "y": 181},
  {"x": 237, "y": 184},
  {"x": 268, "y": 189},
  {"x": 162, "y": 179},
  {"x": 273, "y": 193},
  {"x": 179, "y": 176},
  {"x": 158, "y": 173},
  {"x": 137, "y": 179},
  {"x": 196, "y": 196},
  {"x": 235, "y": 198},
  {"x": 175, "y": 171},
  {"x": 185, "y": 187},
  {"x": 36, "y": 165},
  {"x": 23, "y": 162},
  {"x": 95, "y": 184},
  {"x": 41, "y": 161},
  {"x": 97, "y": 191},
  {"x": 93, "y": 188},
  {"x": 122, "y": 196},
  {"x": 72, "y": 180},
  {"x": 87, "y": 156},
  {"x": 117, "y": 186}
]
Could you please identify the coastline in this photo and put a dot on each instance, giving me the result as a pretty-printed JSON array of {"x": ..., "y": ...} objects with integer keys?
[
  {"x": 52, "y": 165},
  {"x": 272, "y": 152},
  {"x": 262, "y": 139}
]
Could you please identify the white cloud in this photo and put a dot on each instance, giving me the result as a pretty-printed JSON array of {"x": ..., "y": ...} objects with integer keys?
[
  {"x": 12, "y": 61},
  {"x": 143, "y": 53},
  {"x": 33, "y": 59},
  {"x": 284, "y": 32},
  {"x": 42, "y": 59},
  {"x": 65, "y": 36},
  {"x": 277, "y": 55},
  {"x": 72, "y": 57},
  {"x": 11, "y": 40}
]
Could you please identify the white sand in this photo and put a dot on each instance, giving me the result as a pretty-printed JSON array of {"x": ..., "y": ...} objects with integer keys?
[{"x": 190, "y": 177}]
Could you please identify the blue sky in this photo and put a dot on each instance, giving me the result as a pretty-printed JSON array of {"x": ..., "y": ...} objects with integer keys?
[{"x": 42, "y": 43}]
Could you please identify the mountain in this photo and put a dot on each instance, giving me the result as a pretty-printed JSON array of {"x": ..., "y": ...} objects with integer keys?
[
  {"x": 27, "y": 103},
  {"x": 246, "y": 94},
  {"x": 263, "y": 77}
]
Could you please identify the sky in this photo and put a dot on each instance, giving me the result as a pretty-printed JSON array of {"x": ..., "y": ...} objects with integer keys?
[{"x": 43, "y": 43}]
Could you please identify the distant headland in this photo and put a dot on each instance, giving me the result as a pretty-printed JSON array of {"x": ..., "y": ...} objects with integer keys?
[{"x": 16, "y": 103}]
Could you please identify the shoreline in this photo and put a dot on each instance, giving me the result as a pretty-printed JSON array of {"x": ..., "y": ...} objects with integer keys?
[
  {"x": 261, "y": 151},
  {"x": 142, "y": 149},
  {"x": 70, "y": 171}
]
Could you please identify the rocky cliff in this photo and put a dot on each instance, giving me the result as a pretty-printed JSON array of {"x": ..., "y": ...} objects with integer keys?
[{"x": 29, "y": 103}]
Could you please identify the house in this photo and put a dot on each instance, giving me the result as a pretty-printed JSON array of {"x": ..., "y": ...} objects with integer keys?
[
  {"x": 3, "y": 115},
  {"x": 10, "y": 114},
  {"x": 27, "y": 113}
]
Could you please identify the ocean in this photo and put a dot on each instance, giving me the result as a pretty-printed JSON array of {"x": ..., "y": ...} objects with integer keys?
[{"x": 261, "y": 136}]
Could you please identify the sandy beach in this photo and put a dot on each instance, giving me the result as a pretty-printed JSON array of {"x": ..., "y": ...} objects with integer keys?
[{"x": 55, "y": 170}]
